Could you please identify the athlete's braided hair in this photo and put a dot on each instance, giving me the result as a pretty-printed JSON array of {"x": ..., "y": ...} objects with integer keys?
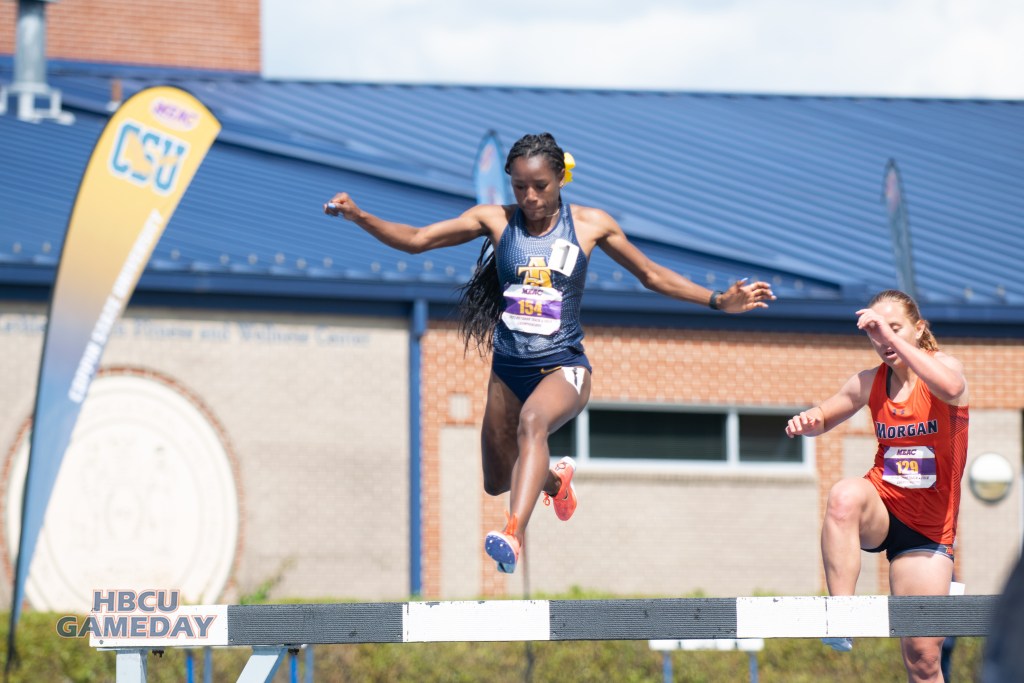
[
  {"x": 537, "y": 145},
  {"x": 480, "y": 302},
  {"x": 927, "y": 340},
  {"x": 481, "y": 299}
]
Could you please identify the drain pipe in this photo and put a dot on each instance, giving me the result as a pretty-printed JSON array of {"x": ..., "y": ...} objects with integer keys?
[
  {"x": 30, "y": 68},
  {"x": 417, "y": 328}
]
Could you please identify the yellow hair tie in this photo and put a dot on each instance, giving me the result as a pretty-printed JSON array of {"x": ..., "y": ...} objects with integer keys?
[{"x": 570, "y": 164}]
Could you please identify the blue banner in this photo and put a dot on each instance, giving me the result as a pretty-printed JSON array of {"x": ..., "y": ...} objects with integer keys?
[
  {"x": 489, "y": 178},
  {"x": 899, "y": 228}
]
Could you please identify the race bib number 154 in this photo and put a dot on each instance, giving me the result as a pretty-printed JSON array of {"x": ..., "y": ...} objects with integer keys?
[{"x": 536, "y": 310}]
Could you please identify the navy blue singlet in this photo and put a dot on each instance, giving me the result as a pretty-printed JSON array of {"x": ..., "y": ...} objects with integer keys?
[{"x": 543, "y": 279}]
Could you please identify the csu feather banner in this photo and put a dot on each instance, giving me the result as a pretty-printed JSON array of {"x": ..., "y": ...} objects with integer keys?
[
  {"x": 899, "y": 227},
  {"x": 141, "y": 166},
  {"x": 489, "y": 180}
]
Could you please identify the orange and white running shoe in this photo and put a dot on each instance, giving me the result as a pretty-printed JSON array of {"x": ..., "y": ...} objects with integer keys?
[
  {"x": 504, "y": 546},
  {"x": 565, "y": 499}
]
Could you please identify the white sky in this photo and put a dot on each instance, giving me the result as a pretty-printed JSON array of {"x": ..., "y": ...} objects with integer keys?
[{"x": 940, "y": 48}]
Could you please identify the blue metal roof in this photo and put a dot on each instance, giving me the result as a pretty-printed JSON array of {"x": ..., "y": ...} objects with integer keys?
[{"x": 715, "y": 186}]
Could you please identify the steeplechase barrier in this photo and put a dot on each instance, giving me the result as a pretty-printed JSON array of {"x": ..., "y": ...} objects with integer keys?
[{"x": 271, "y": 630}]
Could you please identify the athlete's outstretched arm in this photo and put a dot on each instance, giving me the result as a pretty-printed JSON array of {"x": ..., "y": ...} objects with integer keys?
[
  {"x": 738, "y": 298},
  {"x": 835, "y": 409},
  {"x": 471, "y": 224}
]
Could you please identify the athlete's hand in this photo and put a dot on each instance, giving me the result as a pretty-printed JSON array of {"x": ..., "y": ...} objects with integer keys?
[
  {"x": 742, "y": 297},
  {"x": 342, "y": 205},
  {"x": 875, "y": 326},
  {"x": 804, "y": 424}
]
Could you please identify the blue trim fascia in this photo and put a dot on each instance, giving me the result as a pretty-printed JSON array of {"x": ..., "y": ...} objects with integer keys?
[
  {"x": 225, "y": 290},
  {"x": 796, "y": 315}
]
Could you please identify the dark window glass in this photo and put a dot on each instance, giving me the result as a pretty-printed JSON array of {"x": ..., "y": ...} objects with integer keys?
[
  {"x": 763, "y": 439},
  {"x": 563, "y": 442},
  {"x": 657, "y": 435}
]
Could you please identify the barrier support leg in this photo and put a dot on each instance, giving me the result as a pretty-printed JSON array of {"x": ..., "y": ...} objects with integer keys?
[
  {"x": 131, "y": 665},
  {"x": 262, "y": 664}
]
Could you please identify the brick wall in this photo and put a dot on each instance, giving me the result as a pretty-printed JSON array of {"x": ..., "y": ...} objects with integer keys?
[
  {"x": 316, "y": 414},
  {"x": 221, "y": 35},
  {"x": 696, "y": 367}
]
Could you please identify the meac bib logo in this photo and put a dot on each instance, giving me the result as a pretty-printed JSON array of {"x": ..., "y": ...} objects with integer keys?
[{"x": 147, "y": 157}]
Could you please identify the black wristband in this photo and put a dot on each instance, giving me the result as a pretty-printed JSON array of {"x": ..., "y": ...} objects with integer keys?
[{"x": 713, "y": 302}]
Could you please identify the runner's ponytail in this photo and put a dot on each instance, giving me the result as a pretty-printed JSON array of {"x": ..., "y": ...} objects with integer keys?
[{"x": 480, "y": 303}]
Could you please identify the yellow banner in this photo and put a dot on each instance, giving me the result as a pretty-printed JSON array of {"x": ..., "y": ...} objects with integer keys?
[
  {"x": 141, "y": 166},
  {"x": 144, "y": 160}
]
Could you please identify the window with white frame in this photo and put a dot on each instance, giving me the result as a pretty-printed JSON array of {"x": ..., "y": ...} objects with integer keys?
[{"x": 641, "y": 433}]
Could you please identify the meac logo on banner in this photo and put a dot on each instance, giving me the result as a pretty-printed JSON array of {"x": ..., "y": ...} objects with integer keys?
[
  {"x": 147, "y": 157},
  {"x": 175, "y": 114}
]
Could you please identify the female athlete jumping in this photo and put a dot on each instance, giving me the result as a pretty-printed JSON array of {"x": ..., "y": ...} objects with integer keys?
[{"x": 524, "y": 304}]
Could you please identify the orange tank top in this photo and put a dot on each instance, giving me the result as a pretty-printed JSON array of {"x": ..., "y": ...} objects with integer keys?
[{"x": 922, "y": 449}]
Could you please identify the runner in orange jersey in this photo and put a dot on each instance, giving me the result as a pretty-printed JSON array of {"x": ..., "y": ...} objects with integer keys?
[{"x": 907, "y": 503}]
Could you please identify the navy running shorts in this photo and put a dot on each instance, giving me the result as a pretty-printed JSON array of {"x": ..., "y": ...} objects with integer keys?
[
  {"x": 902, "y": 539},
  {"x": 522, "y": 375}
]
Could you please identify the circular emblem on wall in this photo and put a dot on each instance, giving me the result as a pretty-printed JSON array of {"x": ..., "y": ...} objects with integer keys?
[{"x": 145, "y": 499}]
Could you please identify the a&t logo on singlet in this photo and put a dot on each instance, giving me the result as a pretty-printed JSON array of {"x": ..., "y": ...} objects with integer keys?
[{"x": 536, "y": 272}]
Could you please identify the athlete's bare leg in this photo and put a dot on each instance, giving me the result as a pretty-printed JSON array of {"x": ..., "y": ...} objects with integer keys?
[
  {"x": 559, "y": 397},
  {"x": 921, "y": 573},
  {"x": 855, "y": 518},
  {"x": 499, "y": 449}
]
